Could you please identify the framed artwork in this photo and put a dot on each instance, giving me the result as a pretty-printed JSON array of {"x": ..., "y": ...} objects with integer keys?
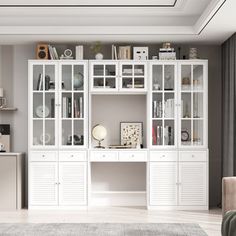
[{"x": 131, "y": 133}]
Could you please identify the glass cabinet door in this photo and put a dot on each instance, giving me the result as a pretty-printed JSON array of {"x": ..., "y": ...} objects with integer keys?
[
  {"x": 163, "y": 108},
  {"x": 104, "y": 76},
  {"x": 133, "y": 76},
  {"x": 72, "y": 89},
  {"x": 192, "y": 114},
  {"x": 43, "y": 104}
]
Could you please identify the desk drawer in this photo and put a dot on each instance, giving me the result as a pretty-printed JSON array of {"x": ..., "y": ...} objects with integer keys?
[
  {"x": 163, "y": 156},
  {"x": 72, "y": 156},
  {"x": 193, "y": 156},
  {"x": 133, "y": 156},
  {"x": 43, "y": 156},
  {"x": 103, "y": 156}
]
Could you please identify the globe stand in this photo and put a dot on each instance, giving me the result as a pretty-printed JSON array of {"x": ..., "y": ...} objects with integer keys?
[{"x": 99, "y": 144}]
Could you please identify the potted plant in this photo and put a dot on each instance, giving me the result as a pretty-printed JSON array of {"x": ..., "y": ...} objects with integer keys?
[{"x": 96, "y": 48}]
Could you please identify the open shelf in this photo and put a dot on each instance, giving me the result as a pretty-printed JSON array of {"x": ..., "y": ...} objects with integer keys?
[{"x": 8, "y": 109}]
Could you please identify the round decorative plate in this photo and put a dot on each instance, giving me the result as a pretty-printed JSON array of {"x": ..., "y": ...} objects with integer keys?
[{"x": 39, "y": 111}]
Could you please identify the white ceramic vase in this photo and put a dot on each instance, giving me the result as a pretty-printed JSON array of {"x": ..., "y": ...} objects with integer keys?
[{"x": 99, "y": 56}]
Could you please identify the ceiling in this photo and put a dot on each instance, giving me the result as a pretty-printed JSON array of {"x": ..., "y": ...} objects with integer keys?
[{"x": 151, "y": 21}]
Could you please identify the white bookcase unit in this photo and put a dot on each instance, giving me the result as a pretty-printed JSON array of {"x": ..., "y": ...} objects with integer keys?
[
  {"x": 58, "y": 94},
  {"x": 68, "y": 97},
  {"x": 120, "y": 76}
]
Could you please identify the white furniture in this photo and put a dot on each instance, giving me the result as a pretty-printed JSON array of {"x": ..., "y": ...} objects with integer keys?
[
  {"x": 178, "y": 138},
  {"x": 120, "y": 76},
  {"x": 11, "y": 181},
  {"x": 58, "y": 92},
  {"x": 65, "y": 170}
]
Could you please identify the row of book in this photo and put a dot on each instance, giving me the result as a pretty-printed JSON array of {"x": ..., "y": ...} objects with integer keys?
[
  {"x": 67, "y": 107},
  {"x": 121, "y": 52},
  {"x": 169, "y": 108},
  {"x": 157, "y": 135},
  {"x": 40, "y": 82},
  {"x": 53, "y": 52}
]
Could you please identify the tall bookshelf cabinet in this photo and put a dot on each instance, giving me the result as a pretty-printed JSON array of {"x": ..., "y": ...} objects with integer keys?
[
  {"x": 68, "y": 97},
  {"x": 58, "y": 94}
]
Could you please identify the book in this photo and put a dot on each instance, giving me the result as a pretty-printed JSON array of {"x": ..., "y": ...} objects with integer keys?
[
  {"x": 52, "y": 108},
  {"x": 50, "y": 49},
  {"x": 154, "y": 137},
  {"x": 47, "y": 82},
  {"x": 69, "y": 106},
  {"x": 125, "y": 52},
  {"x": 55, "y": 55},
  {"x": 79, "y": 52},
  {"x": 75, "y": 109},
  {"x": 155, "y": 109},
  {"x": 64, "y": 107},
  {"x": 81, "y": 107},
  {"x": 40, "y": 82}
]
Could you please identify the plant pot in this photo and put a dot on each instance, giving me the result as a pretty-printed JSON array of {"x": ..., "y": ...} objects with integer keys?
[{"x": 99, "y": 56}]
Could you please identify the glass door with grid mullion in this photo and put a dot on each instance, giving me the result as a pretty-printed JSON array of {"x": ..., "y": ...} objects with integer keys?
[
  {"x": 72, "y": 105},
  {"x": 192, "y": 115},
  {"x": 104, "y": 76},
  {"x": 163, "y": 105},
  {"x": 44, "y": 110}
]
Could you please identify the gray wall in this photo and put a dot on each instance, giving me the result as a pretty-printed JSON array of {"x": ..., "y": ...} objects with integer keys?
[{"x": 14, "y": 75}]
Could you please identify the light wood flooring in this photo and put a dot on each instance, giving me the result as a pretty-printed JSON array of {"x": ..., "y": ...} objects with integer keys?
[{"x": 210, "y": 221}]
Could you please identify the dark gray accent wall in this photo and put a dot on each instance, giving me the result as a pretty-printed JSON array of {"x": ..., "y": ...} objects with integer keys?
[{"x": 14, "y": 79}]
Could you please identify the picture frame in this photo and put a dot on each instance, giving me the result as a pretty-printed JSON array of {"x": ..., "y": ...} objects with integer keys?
[{"x": 131, "y": 133}]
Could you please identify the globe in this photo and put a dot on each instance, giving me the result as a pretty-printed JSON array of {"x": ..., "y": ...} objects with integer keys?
[
  {"x": 78, "y": 80},
  {"x": 99, "y": 132}
]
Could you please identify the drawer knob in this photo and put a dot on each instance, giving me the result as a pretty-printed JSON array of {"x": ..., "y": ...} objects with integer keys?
[
  {"x": 103, "y": 155},
  {"x": 43, "y": 155},
  {"x": 193, "y": 155},
  {"x": 71, "y": 155},
  {"x": 163, "y": 156},
  {"x": 132, "y": 155}
]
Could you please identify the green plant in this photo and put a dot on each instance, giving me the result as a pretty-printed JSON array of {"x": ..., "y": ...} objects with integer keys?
[{"x": 96, "y": 48}]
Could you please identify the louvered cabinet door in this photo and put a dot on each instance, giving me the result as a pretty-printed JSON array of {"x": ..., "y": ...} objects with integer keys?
[
  {"x": 192, "y": 184},
  {"x": 163, "y": 183},
  {"x": 43, "y": 184},
  {"x": 73, "y": 182}
]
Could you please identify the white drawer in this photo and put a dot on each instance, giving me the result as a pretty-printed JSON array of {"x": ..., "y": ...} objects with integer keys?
[
  {"x": 43, "y": 156},
  {"x": 163, "y": 156},
  {"x": 193, "y": 156},
  {"x": 103, "y": 156},
  {"x": 132, "y": 156},
  {"x": 72, "y": 156}
]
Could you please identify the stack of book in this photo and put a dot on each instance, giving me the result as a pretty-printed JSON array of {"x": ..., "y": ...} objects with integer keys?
[
  {"x": 67, "y": 107},
  {"x": 157, "y": 134},
  {"x": 46, "y": 82},
  {"x": 167, "y": 54},
  {"x": 53, "y": 52}
]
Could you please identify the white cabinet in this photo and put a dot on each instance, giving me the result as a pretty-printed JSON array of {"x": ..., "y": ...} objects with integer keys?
[
  {"x": 192, "y": 184},
  {"x": 178, "y": 104},
  {"x": 163, "y": 183},
  {"x": 58, "y": 131},
  {"x": 123, "y": 76},
  {"x": 53, "y": 183},
  {"x": 72, "y": 183},
  {"x": 179, "y": 182},
  {"x": 43, "y": 184}
]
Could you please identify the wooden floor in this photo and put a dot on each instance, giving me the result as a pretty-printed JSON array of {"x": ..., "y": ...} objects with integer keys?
[{"x": 210, "y": 221}]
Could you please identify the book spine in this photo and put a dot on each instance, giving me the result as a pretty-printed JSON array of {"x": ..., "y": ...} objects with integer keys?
[
  {"x": 69, "y": 111},
  {"x": 81, "y": 107},
  {"x": 154, "y": 137},
  {"x": 155, "y": 109},
  {"x": 52, "y": 108},
  {"x": 64, "y": 107}
]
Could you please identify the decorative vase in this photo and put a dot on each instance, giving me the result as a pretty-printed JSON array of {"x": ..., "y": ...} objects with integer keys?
[{"x": 99, "y": 56}]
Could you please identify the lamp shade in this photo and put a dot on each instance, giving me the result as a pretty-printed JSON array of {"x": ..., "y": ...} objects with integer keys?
[{"x": 99, "y": 132}]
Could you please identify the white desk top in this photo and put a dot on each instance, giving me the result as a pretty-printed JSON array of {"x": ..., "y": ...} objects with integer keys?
[{"x": 11, "y": 153}]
